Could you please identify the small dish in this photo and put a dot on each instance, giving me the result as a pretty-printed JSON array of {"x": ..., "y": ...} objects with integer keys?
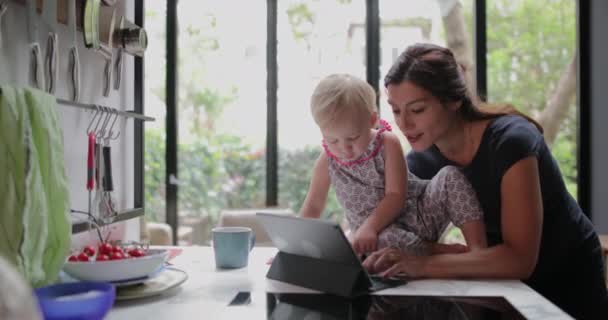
[
  {"x": 76, "y": 300},
  {"x": 131, "y": 282},
  {"x": 117, "y": 270},
  {"x": 161, "y": 283}
]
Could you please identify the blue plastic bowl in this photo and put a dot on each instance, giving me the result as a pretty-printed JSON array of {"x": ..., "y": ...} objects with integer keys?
[{"x": 76, "y": 300}]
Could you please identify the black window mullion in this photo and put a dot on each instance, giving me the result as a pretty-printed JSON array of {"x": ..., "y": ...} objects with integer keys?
[
  {"x": 583, "y": 95},
  {"x": 372, "y": 45},
  {"x": 171, "y": 156},
  {"x": 481, "y": 49},
  {"x": 272, "y": 167},
  {"x": 138, "y": 102}
]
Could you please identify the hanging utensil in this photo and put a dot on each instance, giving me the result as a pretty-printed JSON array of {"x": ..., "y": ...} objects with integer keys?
[
  {"x": 49, "y": 10},
  {"x": 108, "y": 185},
  {"x": 99, "y": 209},
  {"x": 91, "y": 172},
  {"x": 91, "y": 27},
  {"x": 91, "y": 166},
  {"x": 3, "y": 8},
  {"x": 91, "y": 178},
  {"x": 90, "y": 24},
  {"x": 74, "y": 57},
  {"x": 108, "y": 54},
  {"x": 133, "y": 39},
  {"x": 106, "y": 205},
  {"x": 36, "y": 69},
  {"x": 119, "y": 56},
  {"x": 110, "y": 202}
]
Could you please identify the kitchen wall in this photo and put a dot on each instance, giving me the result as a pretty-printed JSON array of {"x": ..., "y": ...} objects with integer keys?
[{"x": 14, "y": 70}]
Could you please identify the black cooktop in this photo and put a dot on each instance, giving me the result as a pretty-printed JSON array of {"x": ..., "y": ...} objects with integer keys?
[{"x": 321, "y": 306}]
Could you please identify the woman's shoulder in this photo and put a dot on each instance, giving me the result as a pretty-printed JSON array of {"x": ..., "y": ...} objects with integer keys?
[
  {"x": 512, "y": 129},
  {"x": 512, "y": 125},
  {"x": 509, "y": 139}
]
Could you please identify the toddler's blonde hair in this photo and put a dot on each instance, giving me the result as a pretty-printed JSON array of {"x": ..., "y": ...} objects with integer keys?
[{"x": 337, "y": 93}]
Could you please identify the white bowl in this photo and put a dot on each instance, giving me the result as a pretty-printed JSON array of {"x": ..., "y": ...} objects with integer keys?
[{"x": 117, "y": 270}]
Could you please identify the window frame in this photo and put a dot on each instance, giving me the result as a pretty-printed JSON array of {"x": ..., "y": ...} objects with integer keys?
[{"x": 373, "y": 77}]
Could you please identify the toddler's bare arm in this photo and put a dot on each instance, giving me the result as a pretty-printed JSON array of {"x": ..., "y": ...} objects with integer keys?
[
  {"x": 395, "y": 185},
  {"x": 395, "y": 190},
  {"x": 315, "y": 201}
]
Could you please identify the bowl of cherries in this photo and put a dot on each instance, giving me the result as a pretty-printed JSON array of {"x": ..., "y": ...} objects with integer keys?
[{"x": 114, "y": 262}]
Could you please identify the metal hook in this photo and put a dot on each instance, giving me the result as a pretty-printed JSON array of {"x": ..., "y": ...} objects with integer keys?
[
  {"x": 102, "y": 131},
  {"x": 98, "y": 119},
  {"x": 108, "y": 132},
  {"x": 101, "y": 120},
  {"x": 92, "y": 120},
  {"x": 110, "y": 137}
]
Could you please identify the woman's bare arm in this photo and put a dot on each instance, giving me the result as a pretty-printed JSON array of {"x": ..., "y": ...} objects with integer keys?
[
  {"x": 521, "y": 219},
  {"x": 474, "y": 233},
  {"x": 515, "y": 258}
]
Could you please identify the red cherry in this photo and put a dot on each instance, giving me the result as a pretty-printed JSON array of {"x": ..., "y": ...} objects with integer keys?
[
  {"x": 83, "y": 257},
  {"x": 117, "y": 248},
  {"x": 89, "y": 250},
  {"x": 137, "y": 252},
  {"x": 116, "y": 256},
  {"x": 105, "y": 248},
  {"x": 73, "y": 258},
  {"x": 102, "y": 257}
]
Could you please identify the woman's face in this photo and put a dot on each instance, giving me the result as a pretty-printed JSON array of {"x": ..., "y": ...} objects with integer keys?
[{"x": 420, "y": 116}]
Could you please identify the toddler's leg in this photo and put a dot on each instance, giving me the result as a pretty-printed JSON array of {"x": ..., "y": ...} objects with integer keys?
[
  {"x": 451, "y": 190},
  {"x": 395, "y": 236}
]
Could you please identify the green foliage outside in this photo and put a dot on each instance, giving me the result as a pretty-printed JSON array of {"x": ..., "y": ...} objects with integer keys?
[
  {"x": 220, "y": 172},
  {"x": 529, "y": 44},
  {"x": 295, "y": 171}
]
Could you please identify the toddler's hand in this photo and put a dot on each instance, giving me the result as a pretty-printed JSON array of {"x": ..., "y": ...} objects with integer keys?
[{"x": 365, "y": 240}]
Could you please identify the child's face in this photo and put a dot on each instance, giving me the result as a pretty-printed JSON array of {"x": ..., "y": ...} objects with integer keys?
[{"x": 348, "y": 136}]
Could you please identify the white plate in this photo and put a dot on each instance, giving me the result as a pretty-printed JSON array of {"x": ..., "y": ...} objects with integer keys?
[
  {"x": 131, "y": 282},
  {"x": 160, "y": 283},
  {"x": 117, "y": 270}
]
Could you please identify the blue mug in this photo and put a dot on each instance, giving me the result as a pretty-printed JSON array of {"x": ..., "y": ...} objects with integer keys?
[{"x": 231, "y": 246}]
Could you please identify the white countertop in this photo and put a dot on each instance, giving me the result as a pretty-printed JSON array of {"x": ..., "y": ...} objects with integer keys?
[{"x": 207, "y": 291}]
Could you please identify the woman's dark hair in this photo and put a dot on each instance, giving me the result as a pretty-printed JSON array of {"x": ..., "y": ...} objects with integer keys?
[{"x": 435, "y": 69}]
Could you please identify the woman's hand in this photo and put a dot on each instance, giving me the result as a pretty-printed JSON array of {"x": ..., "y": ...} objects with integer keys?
[
  {"x": 389, "y": 262},
  {"x": 365, "y": 240}
]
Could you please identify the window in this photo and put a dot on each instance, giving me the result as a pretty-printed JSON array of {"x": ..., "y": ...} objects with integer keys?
[
  {"x": 531, "y": 63},
  {"x": 222, "y": 112},
  {"x": 313, "y": 42},
  {"x": 403, "y": 23},
  {"x": 154, "y": 97}
]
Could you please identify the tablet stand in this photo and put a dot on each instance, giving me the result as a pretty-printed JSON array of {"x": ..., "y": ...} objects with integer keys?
[{"x": 319, "y": 274}]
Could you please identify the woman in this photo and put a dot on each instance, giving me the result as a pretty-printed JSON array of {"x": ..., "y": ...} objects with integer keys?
[{"x": 536, "y": 231}]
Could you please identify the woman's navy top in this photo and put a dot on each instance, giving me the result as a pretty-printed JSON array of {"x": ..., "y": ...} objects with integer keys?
[{"x": 569, "y": 245}]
